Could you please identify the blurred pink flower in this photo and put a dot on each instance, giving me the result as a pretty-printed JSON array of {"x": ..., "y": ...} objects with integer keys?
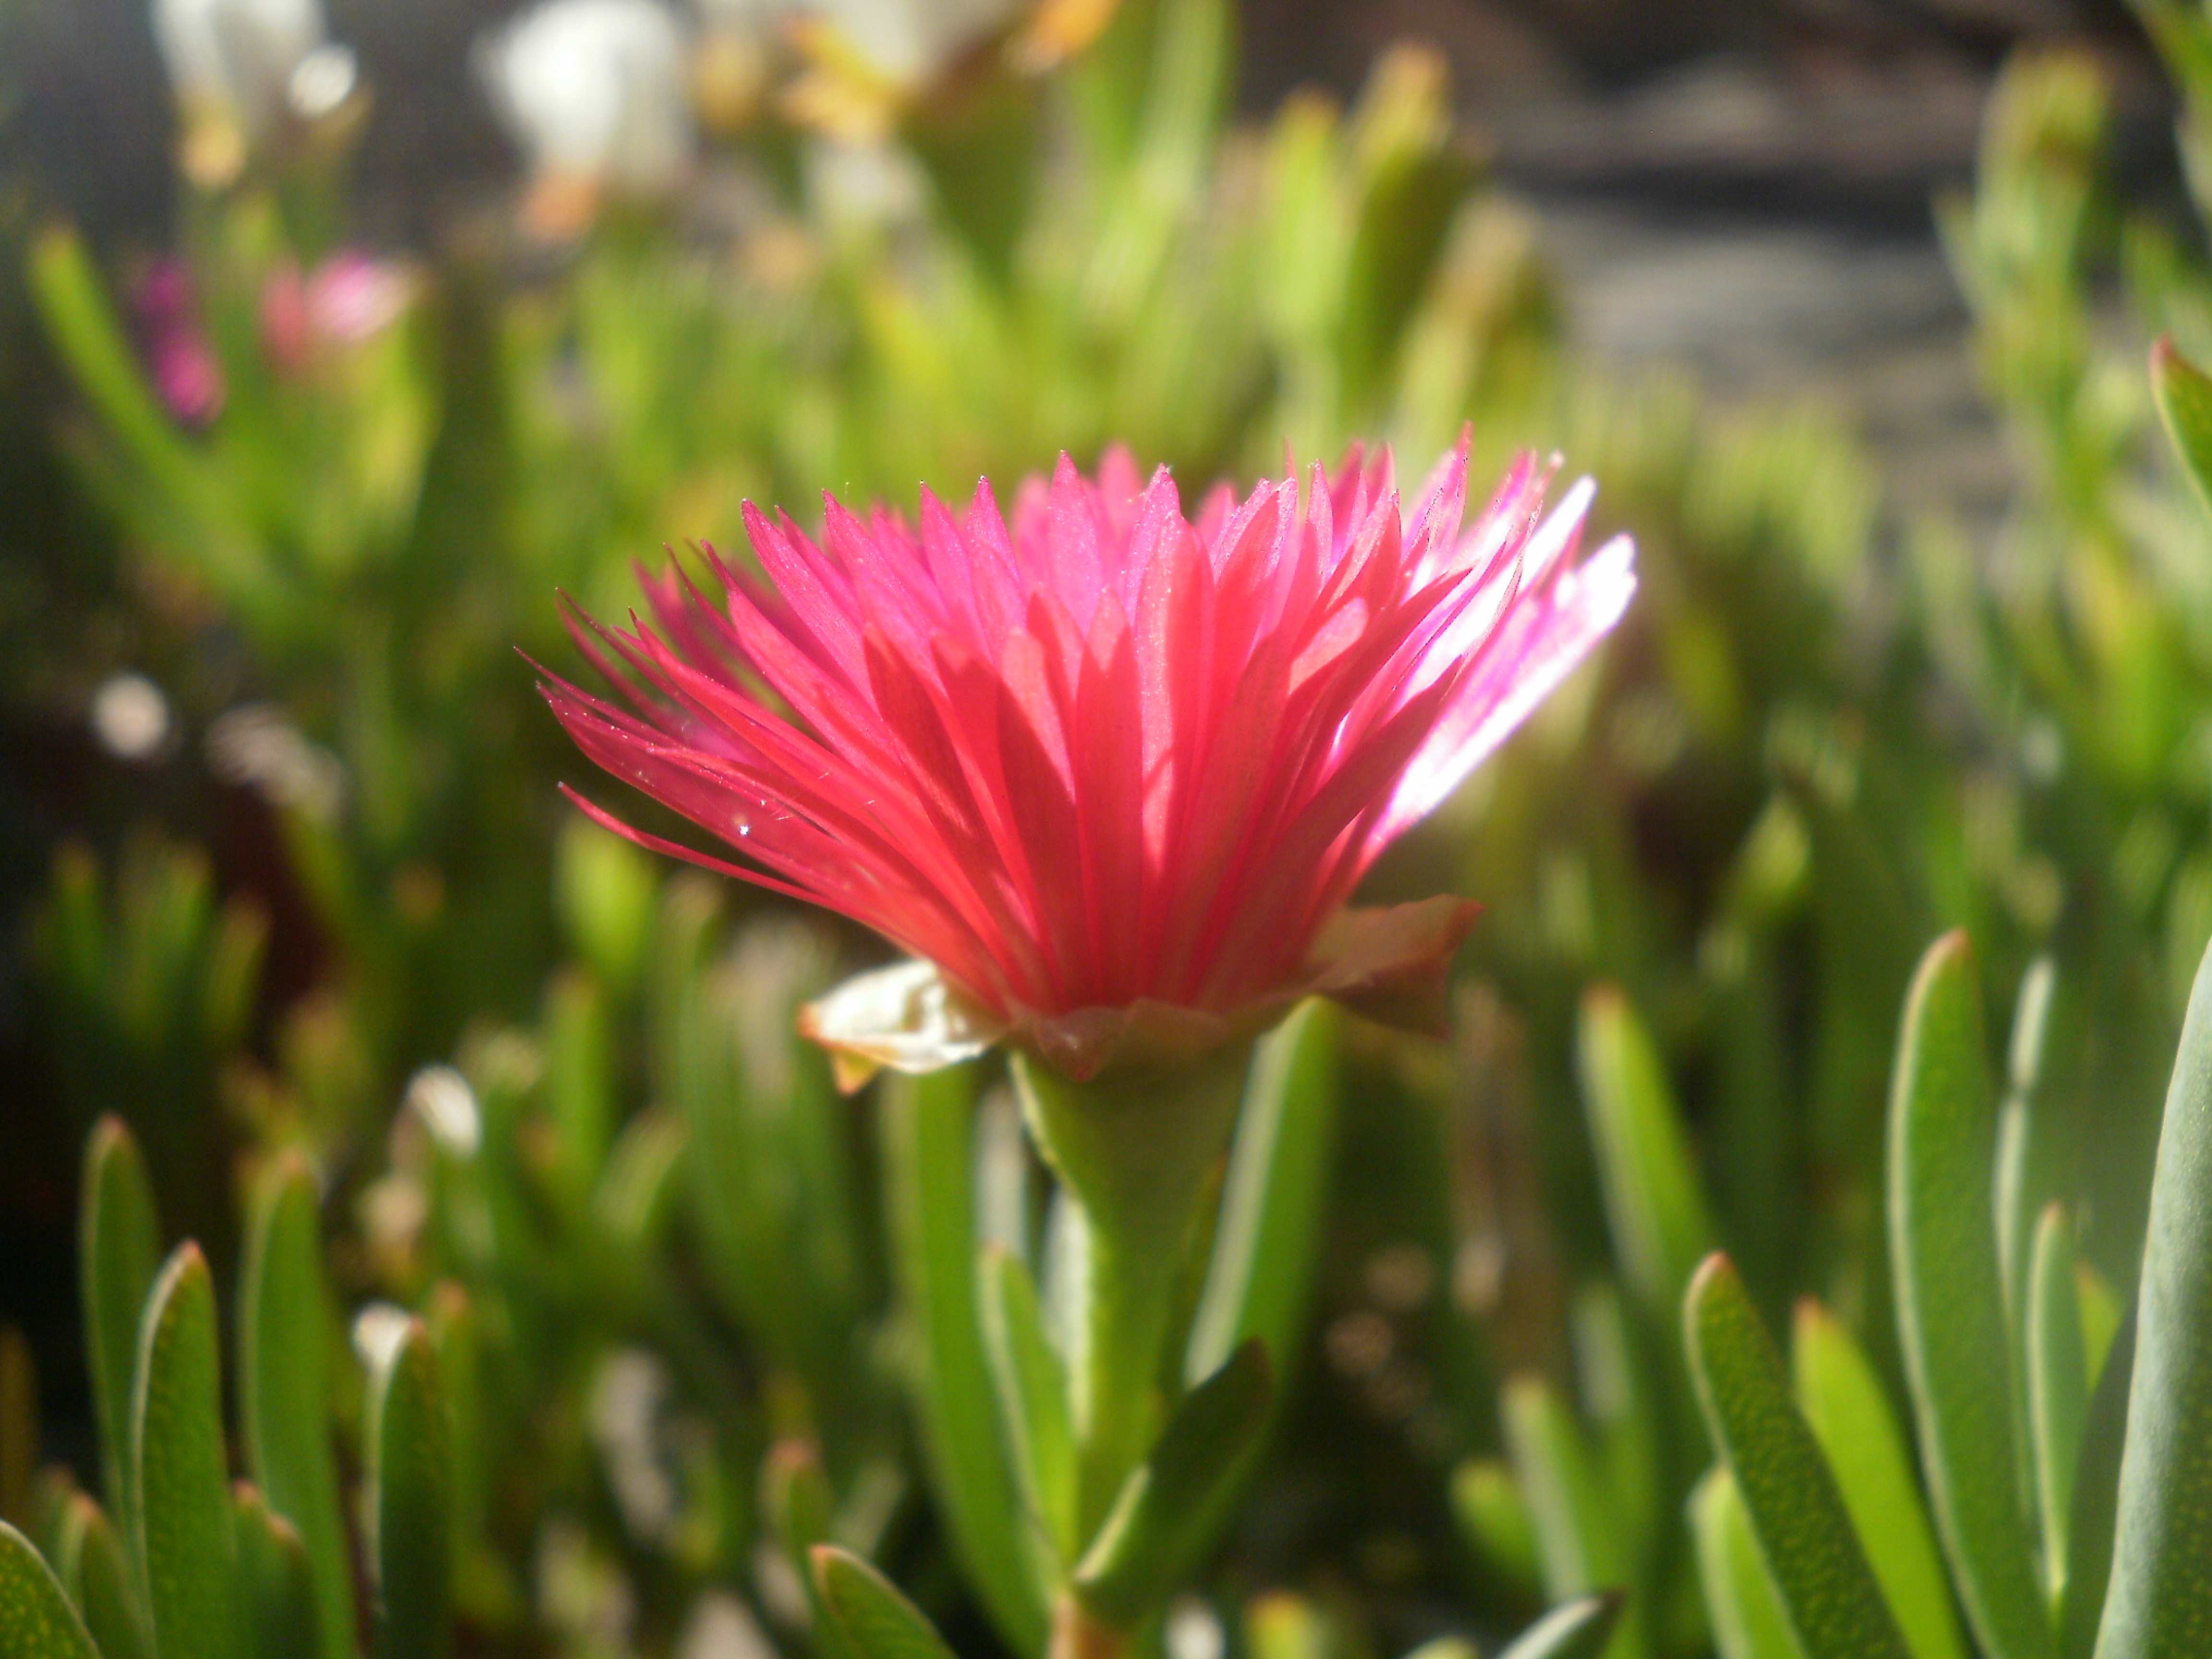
[
  {"x": 186, "y": 375},
  {"x": 1113, "y": 771},
  {"x": 351, "y": 297}
]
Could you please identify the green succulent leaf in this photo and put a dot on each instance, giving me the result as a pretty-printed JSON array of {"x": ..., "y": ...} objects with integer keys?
[
  {"x": 187, "y": 1551},
  {"x": 2097, "y": 1498},
  {"x": 1654, "y": 1200},
  {"x": 1748, "y": 1622},
  {"x": 1950, "y": 1301},
  {"x": 284, "y": 1341},
  {"x": 276, "y": 1585},
  {"x": 1169, "y": 1511},
  {"x": 875, "y": 1618},
  {"x": 2019, "y": 1157},
  {"x": 928, "y": 1147},
  {"x": 2159, "y": 1602},
  {"x": 95, "y": 1569},
  {"x": 1032, "y": 1388},
  {"x": 2057, "y": 1388},
  {"x": 119, "y": 1254},
  {"x": 36, "y": 1620},
  {"x": 1842, "y": 1398},
  {"x": 1493, "y": 1518},
  {"x": 1259, "y": 1281},
  {"x": 2184, "y": 393},
  {"x": 1827, "y": 1587},
  {"x": 800, "y": 1504},
  {"x": 1581, "y": 1539},
  {"x": 1579, "y": 1630},
  {"x": 410, "y": 1502}
]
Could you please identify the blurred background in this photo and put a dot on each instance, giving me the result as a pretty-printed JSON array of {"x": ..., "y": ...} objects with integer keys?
[{"x": 334, "y": 342}]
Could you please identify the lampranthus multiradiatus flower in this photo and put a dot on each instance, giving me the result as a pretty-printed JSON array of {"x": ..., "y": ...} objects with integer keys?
[{"x": 1109, "y": 772}]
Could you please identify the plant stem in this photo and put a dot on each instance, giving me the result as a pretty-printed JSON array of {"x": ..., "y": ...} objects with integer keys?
[
  {"x": 1135, "y": 1152},
  {"x": 1077, "y": 1633}
]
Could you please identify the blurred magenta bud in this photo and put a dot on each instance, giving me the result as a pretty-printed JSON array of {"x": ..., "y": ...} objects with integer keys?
[{"x": 186, "y": 375}]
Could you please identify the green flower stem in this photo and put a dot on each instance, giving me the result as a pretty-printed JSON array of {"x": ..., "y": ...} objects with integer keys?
[{"x": 1135, "y": 1150}]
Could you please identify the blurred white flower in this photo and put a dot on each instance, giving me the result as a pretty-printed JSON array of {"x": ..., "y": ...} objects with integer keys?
[
  {"x": 237, "y": 59},
  {"x": 442, "y": 1097},
  {"x": 593, "y": 91},
  {"x": 129, "y": 716},
  {"x": 911, "y": 40},
  {"x": 720, "y": 1628},
  {"x": 378, "y": 1331},
  {"x": 1194, "y": 1630},
  {"x": 256, "y": 746},
  {"x": 324, "y": 81}
]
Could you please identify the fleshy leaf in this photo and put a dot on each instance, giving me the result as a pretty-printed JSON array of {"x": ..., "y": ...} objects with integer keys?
[
  {"x": 1841, "y": 1395},
  {"x": 1259, "y": 1282},
  {"x": 1577, "y": 1630},
  {"x": 186, "y": 1548},
  {"x": 1166, "y": 1515},
  {"x": 927, "y": 1151},
  {"x": 1828, "y": 1591},
  {"x": 1748, "y": 1622},
  {"x": 2184, "y": 393},
  {"x": 1031, "y": 1379},
  {"x": 284, "y": 1345},
  {"x": 2160, "y": 1604},
  {"x": 875, "y": 1618},
  {"x": 36, "y": 1620},
  {"x": 119, "y": 1254},
  {"x": 410, "y": 1502},
  {"x": 1950, "y": 1301}
]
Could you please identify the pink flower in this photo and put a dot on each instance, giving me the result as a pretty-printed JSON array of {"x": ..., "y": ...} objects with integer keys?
[
  {"x": 1113, "y": 771},
  {"x": 348, "y": 298},
  {"x": 186, "y": 375}
]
